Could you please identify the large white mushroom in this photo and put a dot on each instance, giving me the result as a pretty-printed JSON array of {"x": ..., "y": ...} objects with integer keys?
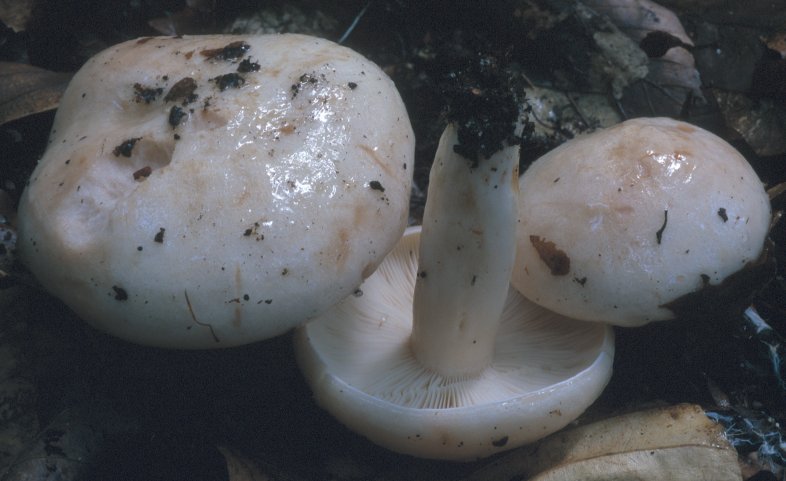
[
  {"x": 617, "y": 224},
  {"x": 211, "y": 191},
  {"x": 436, "y": 357}
]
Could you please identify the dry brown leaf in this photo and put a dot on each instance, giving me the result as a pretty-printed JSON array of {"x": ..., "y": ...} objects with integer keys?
[
  {"x": 761, "y": 123},
  {"x": 672, "y": 77},
  {"x": 27, "y": 90},
  {"x": 776, "y": 42},
  {"x": 243, "y": 468},
  {"x": 583, "y": 50},
  {"x": 240, "y": 468},
  {"x": 675, "y": 443},
  {"x": 555, "y": 113},
  {"x": 637, "y": 18}
]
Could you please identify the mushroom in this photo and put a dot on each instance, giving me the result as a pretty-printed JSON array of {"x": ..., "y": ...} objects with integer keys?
[
  {"x": 617, "y": 224},
  {"x": 210, "y": 191},
  {"x": 436, "y": 356}
]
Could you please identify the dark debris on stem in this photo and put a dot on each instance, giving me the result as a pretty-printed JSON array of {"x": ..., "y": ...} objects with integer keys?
[{"x": 483, "y": 101}]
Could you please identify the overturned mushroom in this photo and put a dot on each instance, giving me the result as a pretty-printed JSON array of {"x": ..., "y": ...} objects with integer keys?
[
  {"x": 187, "y": 202},
  {"x": 617, "y": 224},
  {"x": 436, "y": 357}
]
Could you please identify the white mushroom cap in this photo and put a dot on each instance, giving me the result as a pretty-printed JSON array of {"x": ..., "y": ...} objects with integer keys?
[
  {"x": 210, "y": 191},
  {"x": 546, "y": 370},
  {"x": 617, "y": 224}
]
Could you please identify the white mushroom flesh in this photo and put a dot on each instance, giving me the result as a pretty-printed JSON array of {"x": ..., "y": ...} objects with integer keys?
[
  {"x": 210, "y": 191},
  {"x": 617, "y": 224}
]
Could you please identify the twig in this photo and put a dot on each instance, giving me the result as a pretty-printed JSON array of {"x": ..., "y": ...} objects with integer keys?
[
  {"x": 663, "y": 91},
  {"x": 193, "y": 316},
  {"x": 578, "y": 110},
  {"x": 354, "y": 23}
]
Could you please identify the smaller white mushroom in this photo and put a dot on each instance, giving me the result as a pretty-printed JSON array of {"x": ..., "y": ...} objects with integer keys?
[{"x": 617, "y": 224}]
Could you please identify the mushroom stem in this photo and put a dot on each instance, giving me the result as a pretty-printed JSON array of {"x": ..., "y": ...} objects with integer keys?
[{"x": 467, "y": 251}]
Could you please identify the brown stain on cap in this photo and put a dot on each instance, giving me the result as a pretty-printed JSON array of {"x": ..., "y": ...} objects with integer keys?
[
  {"x": 687, "y": 128},
  {"x": 556, "y": 259},
  {"x": 342, "y": 248},
  {"x": 377, "y": 160},
  {"x": 369, "y": 269}
]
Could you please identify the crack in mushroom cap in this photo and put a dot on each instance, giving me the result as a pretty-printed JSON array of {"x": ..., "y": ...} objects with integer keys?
[
  {"x": 547, "y": 369},
  {"x": 636, "y": 216},
  {"x": 209, "y": 191}
]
